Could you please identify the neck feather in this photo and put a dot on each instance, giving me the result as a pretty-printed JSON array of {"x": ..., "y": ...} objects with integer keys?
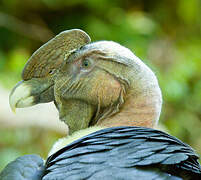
[{"x": 61, "y": 143}]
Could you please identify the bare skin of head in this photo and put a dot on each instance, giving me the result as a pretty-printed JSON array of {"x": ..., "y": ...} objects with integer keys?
[
  {"x": 104, "y": 84},
  {"x": 101, "y": 83}
]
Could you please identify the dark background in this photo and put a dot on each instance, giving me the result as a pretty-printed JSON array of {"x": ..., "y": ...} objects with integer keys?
[{"x": 166, "y": 35}]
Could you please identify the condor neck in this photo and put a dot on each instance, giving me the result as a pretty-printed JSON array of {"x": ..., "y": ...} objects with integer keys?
[
  {"x": 141, "y": 111},
  {"x": 142, "y": 105}
]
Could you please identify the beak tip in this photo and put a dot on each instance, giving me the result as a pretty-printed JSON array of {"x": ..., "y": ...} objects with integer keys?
[{"x": 19, "y": 95}]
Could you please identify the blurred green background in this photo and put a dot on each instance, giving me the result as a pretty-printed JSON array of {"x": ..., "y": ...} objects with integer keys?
[{"x": 166, "y": 35}]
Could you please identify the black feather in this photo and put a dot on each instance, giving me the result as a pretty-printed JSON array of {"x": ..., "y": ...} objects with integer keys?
[
  {"x": 28, "y": 167},
  {"x": 124, "y": 153}
]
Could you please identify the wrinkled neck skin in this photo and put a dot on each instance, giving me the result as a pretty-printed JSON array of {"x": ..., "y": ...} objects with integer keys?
[
  {"x": 143, "y": 101},
  {"x": 76, "y": 114},
  {"x": 142, "y": 111}
]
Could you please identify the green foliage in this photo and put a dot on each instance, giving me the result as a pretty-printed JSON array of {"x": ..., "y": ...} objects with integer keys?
[
  {"x": 17, "y": 142},
  {"x": 165, "y": 34}
]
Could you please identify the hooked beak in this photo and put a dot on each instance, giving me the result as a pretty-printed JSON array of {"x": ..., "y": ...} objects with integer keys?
[{"x": 31, "y": 92}]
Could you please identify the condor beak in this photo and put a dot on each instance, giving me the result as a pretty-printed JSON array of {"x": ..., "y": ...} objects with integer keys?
[{"x": 31, "y": 92}]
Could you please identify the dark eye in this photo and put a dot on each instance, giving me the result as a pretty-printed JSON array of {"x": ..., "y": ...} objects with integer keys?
[
  {"x": 86, "y": 63},
  {"x": 51, "y": 71}
]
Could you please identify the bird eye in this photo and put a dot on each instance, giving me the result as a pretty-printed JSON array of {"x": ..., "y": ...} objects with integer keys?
[
  {"x": 51, "y": 71},
  {"x": 86, "y": 63}
]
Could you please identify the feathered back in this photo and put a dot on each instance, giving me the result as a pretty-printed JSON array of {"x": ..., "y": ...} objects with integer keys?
[{"x": 125, "y": 153}]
